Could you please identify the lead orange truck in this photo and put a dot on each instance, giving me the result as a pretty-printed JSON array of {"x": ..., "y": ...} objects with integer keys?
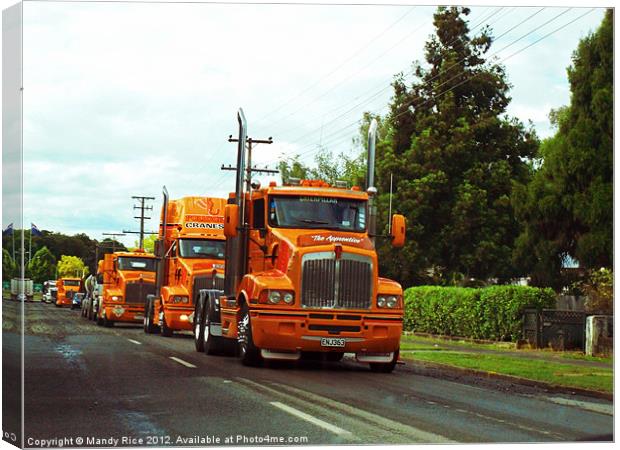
[
  {"x": 128, "y": 277},
  {"x": 190, "y": 251},
  {"x": 302, "y": 274}
]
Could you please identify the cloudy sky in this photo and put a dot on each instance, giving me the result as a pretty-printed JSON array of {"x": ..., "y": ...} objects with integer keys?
[{"x": 122, "y": 98}]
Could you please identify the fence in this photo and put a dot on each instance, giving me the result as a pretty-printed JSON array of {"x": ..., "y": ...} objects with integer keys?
[{"x": 558, "y": 329}]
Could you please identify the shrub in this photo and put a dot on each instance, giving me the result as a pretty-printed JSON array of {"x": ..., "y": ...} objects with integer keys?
[{"x": 484, "y": 313}]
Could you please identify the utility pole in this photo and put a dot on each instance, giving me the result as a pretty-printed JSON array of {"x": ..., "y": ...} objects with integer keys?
[
  {"x": 249, "y": 169},
  {"x": 142, "y": 207},
  {"x": 113, "y": 239}
]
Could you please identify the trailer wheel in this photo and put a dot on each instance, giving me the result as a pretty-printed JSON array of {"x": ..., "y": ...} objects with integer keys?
[
  {"x": 385, "y": 367},
  {"x": 165, "y": 330},
  {"x": 149, "y": 326},
  {"x": 199, "y": 329},
  {"x": 248, "y": 353},
  {"x": 212, "y": 344}
]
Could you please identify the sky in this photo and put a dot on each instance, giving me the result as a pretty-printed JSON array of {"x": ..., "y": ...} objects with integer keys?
[{"x": 120, "y": 99}]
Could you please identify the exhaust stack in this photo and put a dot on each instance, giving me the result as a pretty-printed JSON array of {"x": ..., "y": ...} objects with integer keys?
[
  {"x": 370, "y": 181},
  {"x": 160, "y": 249},
  {"x": 236, "y": 246}
]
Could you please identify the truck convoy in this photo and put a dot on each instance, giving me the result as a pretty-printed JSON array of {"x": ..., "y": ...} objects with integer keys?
[
  {"x": 66, "y": 288},
  {"x": 301, "y": 273},
  {"x": 128, "y": 277},
  {"x": 190, "y": 253}
]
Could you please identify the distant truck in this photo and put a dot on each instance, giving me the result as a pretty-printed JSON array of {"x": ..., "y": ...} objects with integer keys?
[
  {"x": 190, "y": 251},
  {"x": 128, "y": 278},
  {"x": 49, "y": 291},
  {"x": 22, "y": 289},
  {"x": 66, "y": 288}
]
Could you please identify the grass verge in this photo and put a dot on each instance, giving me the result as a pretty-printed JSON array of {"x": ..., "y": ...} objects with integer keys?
[{"x": 596, "y": 378}]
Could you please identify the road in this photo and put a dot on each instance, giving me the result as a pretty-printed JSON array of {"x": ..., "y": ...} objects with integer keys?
[{"x": 119, "y": 386}]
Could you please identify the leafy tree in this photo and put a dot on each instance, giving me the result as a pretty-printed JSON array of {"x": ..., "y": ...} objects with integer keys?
[
  {"x": 453, "y": 154},
  {"x": 42, "y": 266},
  {"x": 148, "y": 243},
  {"x": 567, "y": 208},
  {"x": 9, "y": 266},
  {"x": 71, "y": 266},
  {"x": 327, "y": 167}
]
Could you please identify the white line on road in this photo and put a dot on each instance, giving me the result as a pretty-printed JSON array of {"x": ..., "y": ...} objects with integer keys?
[
  {"x": 180, "y": 361},
  {"x": 135, "y": 342},
  {"x": 589, "y": 406},
  {"x": 311, "y": 419}
]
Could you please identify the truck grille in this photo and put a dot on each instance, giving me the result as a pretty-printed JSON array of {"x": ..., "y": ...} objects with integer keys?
[
  {"x": 336, "y": 284},
  {"x": 206, "y": 282},
  {"x": 135, "y": 293}
]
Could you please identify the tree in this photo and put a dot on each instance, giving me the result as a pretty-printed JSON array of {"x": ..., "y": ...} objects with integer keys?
[
  {"x": 567, "y": 208},
  {"x": 71, "y": 266},
  {"x": 42, "y": 266},
  {"x": 148, "y": 243},
  {"x": 327, "y": 167},
  {"x": 9, "y": 266},
  {"x": 453, "y": 154}
]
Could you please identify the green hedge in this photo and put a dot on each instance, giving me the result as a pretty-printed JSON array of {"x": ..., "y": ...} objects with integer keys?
[{"x": 494, "y": 313}]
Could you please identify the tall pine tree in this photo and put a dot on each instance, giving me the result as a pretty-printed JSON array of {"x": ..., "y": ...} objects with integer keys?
[{"x": 453, "y": 154}]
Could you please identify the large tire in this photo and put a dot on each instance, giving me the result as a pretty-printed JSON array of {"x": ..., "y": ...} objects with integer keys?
[
  {"x": 149, "y": 326},
  {"x": 199, "y": 325},
  {"x": 212, "y": 344},
  {"x": 165, "y": 330},
  {"x": 385, "y": 367},
  {"x": 99, "y": 320},
  {"x": 89, "y": 312},
  {"x": 249, "y": 354},
  {"x": 107, "y": 322}
]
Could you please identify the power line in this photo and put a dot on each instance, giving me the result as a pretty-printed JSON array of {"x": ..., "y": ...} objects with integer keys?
[{"x": 142, "y": 207}]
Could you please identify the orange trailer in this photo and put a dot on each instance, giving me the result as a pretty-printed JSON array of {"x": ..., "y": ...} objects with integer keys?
[
  {"x": 190, "y": 251},
  {"x": 128, "y": 277},
  {"x": 302, "y": 274},
  {"x": 67, "y": 288}
]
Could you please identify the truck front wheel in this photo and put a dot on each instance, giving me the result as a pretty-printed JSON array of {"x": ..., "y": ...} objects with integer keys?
[
  {"x": 385, "y": 367},
  {"x": 149, "y": 326},
  {"x": 248, "y": 352},
  {"x": 165, "y": 330}
]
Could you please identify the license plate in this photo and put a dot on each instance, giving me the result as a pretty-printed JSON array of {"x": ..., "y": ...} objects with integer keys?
[{"x": 333, "y": 342}]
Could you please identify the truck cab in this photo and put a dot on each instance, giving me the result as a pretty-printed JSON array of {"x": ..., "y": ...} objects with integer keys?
[
  {"x": 67, "y": 287},
  {"x": 128, "y": 277},
  {"x": 190, "y": 251}
]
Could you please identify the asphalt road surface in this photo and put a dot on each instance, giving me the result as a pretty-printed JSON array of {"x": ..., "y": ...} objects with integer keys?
[{"x": 92, "y": 386}]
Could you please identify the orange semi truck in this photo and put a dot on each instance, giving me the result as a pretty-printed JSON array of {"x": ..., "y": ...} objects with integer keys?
[
  {"x": 128, "y": 277},
  {"x": 302, "y": 274},
  {"x": 190, "y": 254},
  {"x": 67, "y": 288}
]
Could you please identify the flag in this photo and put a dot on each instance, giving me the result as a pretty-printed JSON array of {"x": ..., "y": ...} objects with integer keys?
[
  {"x": 34, "y": 231},
  {"x": 8, "y": 231}
]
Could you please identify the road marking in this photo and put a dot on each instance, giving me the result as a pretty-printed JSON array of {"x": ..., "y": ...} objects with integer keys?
[
  {"x": 367, "y": 417},
  {"x": 311, "y": 419},
  {"x": 589, "y": 406},
  {"x": 180, "y": 361},
  {"x": 135, "y": 342}
]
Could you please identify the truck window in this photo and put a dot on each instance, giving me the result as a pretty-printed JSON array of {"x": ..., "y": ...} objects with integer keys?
[
  {"x": 71, "y": 282},
  {"x": 258, "y": 219},
  {"x": 333, "y": 213},
  {"x": 202, "y": 248},
  {"x": 135, "y": 263}
]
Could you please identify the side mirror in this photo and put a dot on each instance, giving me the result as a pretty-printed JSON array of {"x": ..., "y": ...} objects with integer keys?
[
  {"x": 398, "y": 230},
  {"x": 231, "y": 219},
  {"x": 159, "y": 248}
]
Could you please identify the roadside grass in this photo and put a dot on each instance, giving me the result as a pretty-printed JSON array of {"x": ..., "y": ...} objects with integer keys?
[
  {"x": 597, "y": 378},
  {"x": 414, "y": 342}
]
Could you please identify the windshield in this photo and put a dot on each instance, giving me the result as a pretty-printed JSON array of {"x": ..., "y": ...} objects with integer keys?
[
  {"x": 130, "y": 263},
  {"x": 202, "y": 248},
  {"x": 71, "y": 282},
  {"x": 298, "y": 211}
]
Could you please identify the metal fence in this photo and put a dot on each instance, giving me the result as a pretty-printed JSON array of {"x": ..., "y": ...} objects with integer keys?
[{"x": 558, "y": 329}]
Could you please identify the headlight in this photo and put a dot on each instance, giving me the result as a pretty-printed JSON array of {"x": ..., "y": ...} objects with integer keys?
[
  {"x": 275, "y": 297},
  {"x": 180, "y": 299},
  {"x": 381, "y": 302},
  {"x": 391, "y": 302},
  {"x": 117, "y": 298},
  {"x": 288, "y": 298}
]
